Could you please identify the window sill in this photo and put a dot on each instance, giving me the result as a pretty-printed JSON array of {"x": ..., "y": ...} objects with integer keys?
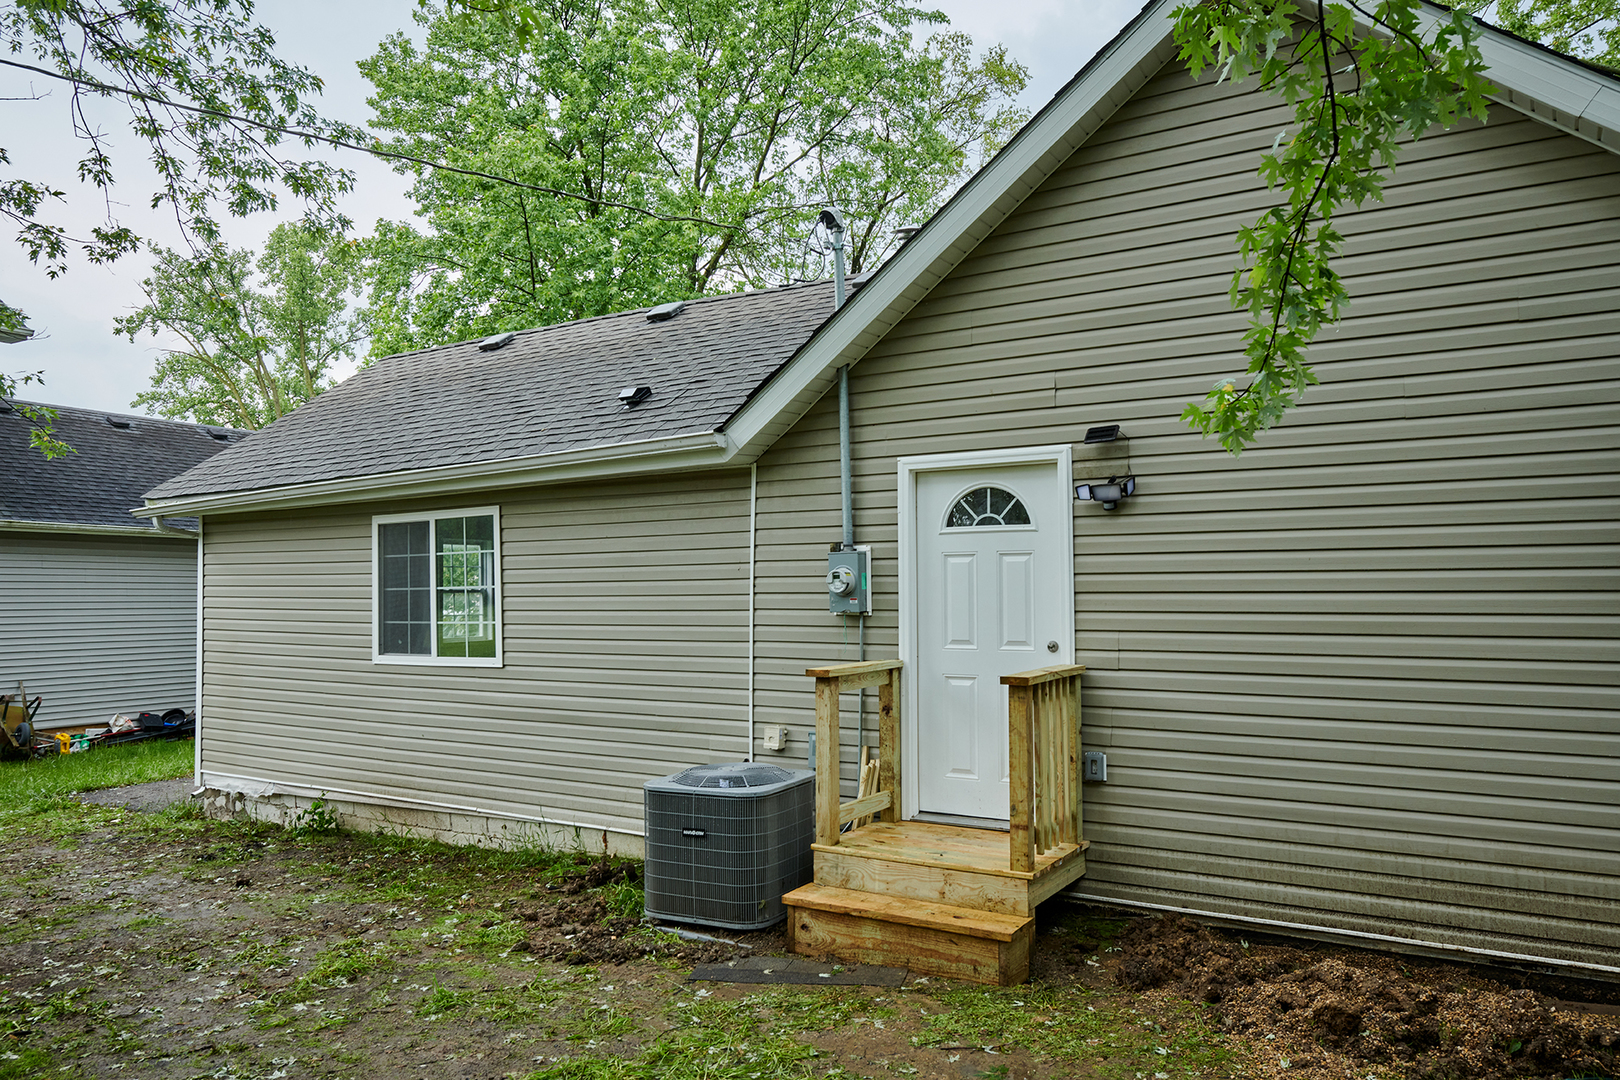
[{"x": 440, "y": 661}]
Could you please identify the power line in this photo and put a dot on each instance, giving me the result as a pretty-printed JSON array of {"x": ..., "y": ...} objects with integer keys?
[{"x": 375, "y": 151}]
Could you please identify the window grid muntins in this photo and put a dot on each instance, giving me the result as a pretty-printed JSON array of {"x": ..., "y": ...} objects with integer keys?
[
  {"x": 407, "y": 589},
  {"x": 986, "y": 507},
  {"x": 437, "y": 584},
  {"x": 465, "y": 554}
]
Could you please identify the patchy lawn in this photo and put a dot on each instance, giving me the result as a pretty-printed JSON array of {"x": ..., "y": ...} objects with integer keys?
[{"x": 167, "y": 946}]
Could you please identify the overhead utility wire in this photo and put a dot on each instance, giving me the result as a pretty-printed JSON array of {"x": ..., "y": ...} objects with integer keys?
[{"x": 343, "y": 144}]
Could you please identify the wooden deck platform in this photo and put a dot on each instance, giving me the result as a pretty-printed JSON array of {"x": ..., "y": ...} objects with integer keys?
[
  {"x": 942, "y": 899},
  {"x": 938, "y": 899}
]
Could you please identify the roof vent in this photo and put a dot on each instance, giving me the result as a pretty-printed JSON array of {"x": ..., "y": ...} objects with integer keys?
[
  {"x": 665, "y": 312},
  {"x": 121, "y": 425},
  {"x": 631, "y": 396},
  {"x": 495, "y": 341},
  {"x": 222, "y": 436}
]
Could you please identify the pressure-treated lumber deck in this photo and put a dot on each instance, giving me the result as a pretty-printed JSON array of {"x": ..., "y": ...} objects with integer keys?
[
  {"x": 959, "y": 942},
  {"x": 942, "y": 899},
  {"x": 945, "y": 864}
]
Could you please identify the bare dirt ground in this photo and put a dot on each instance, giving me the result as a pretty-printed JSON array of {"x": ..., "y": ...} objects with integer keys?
[{"x": 149, "y": 946}]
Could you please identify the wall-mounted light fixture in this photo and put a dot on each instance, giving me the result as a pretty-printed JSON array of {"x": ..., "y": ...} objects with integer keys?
[{"x": 1111, "y": 494}]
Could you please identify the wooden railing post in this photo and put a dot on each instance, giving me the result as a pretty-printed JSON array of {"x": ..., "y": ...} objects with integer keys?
[
  {"x": 827, "y": 760},
  {"x": 1021, "y": 779},
  {"x": 889, "y": 743}
]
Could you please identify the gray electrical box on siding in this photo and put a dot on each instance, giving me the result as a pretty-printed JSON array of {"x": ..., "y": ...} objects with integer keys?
[{"x": 849, "y": 586}]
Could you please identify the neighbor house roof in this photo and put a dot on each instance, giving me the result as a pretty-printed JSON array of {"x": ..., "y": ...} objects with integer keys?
[
  {"x": 545, "y": 393},
  {"x": 771, "y": 396},
  {"x": 116, "y": 459}
]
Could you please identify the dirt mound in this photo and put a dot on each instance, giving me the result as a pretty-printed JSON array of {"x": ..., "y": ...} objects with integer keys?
[
  {"x": 582, "y": 932},
  {"x": 1368, "y": 1007}
]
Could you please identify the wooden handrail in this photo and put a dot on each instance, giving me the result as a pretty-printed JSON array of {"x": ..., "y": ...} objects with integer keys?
[
  {"x": 832, "y": 680},
  {"x": 1043, "y": 766},
  {"x": 1038, "y": 676}
]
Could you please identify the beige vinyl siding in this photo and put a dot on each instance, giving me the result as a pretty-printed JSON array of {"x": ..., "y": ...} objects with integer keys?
[
  {"x": 625, "y": 646},
  {"x": 1364, "y": 676},
  {"x": 97, "y": 625}
]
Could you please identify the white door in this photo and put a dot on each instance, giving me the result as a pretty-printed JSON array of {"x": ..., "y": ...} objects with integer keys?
[{"x": 994, "y": 595}]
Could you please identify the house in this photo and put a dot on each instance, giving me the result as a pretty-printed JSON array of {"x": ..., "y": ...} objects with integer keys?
[
  {"x": 100, "y": 606},
  {"x": 1361, "y": 680}
]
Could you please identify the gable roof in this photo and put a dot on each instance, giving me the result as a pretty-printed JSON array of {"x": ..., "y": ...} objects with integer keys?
[
  {"x": 1554, "y": 89},
  {"x": 547, "y": 394},
  {"x": 94, "y": 488}
]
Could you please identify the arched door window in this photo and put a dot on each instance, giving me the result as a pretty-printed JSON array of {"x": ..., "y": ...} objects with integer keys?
[{"x": 987, "y": 506}]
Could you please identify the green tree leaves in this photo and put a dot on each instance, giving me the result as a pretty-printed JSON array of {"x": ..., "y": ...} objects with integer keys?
[
  {"x": 1357, "y": 93},
  {"x": 730, "y": 127},
  {"x": 251, "y": 353}
]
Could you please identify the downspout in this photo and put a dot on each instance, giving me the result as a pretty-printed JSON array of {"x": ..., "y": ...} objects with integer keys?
[
  {"x": 197, "y": 730},
  {"x": 753, "y": 563}
]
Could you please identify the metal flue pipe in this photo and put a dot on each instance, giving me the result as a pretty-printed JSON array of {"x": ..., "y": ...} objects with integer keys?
[{"x": 835, "y": 227}]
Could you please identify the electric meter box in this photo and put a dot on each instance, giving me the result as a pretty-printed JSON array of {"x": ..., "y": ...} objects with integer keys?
[{"x": 849, "y": 581}]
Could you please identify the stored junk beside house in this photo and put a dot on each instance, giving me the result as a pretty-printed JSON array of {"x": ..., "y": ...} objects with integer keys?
[
  {"x": 100, "y": 606},
  {"x": 1362, "y": 679}
]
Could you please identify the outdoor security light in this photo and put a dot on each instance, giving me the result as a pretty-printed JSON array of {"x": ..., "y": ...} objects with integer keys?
[{"x": 1111, "y": 494}]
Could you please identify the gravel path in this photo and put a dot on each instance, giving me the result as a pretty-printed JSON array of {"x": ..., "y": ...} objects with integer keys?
[{"x": 158, "y": 795}]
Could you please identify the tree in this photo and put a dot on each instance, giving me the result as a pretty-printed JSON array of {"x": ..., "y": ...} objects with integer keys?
[
  {"x": 1589, "y": 29},
  {"x": 206, "y": 95},
  {"x": 1356, "y": 94},
  {"x": 251, "y": 354},
  {"x": 702, "y": 141}
]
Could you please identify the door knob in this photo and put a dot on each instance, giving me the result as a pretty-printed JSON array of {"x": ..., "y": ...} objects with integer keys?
[{"x": 1051, "y": 646}]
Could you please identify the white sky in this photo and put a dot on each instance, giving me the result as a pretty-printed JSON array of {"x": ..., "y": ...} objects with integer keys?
[{"x": 85, "y": 364}]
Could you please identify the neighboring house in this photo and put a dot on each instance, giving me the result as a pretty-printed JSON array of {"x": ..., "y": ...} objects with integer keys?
[
  {"x": 100, "y": 606},
  {"x": 1362, "y": 678}
]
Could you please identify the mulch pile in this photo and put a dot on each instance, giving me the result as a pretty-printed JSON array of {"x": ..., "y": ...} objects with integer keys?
[{"x": 1434, "y": 1020}]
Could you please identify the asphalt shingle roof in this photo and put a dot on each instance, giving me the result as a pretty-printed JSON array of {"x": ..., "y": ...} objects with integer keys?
[
  {"x": 109, "y": 472},
  {"x": 548, "y": 390}
]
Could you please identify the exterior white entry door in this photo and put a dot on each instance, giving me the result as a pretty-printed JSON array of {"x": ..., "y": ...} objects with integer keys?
[{"x": 994, "y": 594}]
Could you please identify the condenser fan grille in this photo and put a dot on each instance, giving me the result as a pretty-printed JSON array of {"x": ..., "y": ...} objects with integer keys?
[{"x": 724, "y": 842}]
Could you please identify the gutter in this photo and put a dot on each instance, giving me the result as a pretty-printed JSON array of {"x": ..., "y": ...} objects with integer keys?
[
  {"x": 704, "y": 449},
  {"x": 97, "y": 530}
]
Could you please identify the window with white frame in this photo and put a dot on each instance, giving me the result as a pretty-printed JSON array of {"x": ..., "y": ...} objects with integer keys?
[{"x": 436, "y": 587}]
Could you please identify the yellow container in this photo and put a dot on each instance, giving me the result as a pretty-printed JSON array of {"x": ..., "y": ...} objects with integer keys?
[{"x": 63, "y": 740}]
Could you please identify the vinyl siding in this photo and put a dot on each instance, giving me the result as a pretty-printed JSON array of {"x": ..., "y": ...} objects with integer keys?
[
  {"x": 1364, "y": 676},
  {"x": 625, "y": 646},
  {"x": 98, "y": 625}
]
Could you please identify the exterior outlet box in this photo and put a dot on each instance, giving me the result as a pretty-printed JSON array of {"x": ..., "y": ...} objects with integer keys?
[
  {"x": 849, "y": 586},
  {"x": 1096, "y": 767},
  {"x": 776, "y": 737}
]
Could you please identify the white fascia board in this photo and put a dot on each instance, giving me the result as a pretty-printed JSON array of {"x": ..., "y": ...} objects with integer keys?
[
  {"x": 703, "y": 450},
  {"x": 96, "y": 530},
  {"x": 987, "y": 199},
  {"x": 1541, "y": 84}
]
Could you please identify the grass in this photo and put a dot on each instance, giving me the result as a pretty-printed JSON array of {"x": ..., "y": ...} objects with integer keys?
[
  {"x": 28, "y": 787},
  {"x": 1066, "y": 1025}
]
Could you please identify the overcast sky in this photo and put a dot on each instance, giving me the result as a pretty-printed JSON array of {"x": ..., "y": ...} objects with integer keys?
[{"x": 85, "y": 364}]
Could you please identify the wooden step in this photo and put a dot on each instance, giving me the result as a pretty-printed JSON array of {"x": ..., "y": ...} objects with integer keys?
[
  {"x": 930, "y": 938},
  {"x": 945, "y": 864}
]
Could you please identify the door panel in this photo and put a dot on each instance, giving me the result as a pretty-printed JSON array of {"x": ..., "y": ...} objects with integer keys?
[{"x": 993, "y": 587}]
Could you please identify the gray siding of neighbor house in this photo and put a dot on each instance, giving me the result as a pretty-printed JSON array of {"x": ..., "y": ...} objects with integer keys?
[
  {"x": 625, "y": 641},
  {"x": 1365, "y": 676},
  {"x": 97, "y": 625}
]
